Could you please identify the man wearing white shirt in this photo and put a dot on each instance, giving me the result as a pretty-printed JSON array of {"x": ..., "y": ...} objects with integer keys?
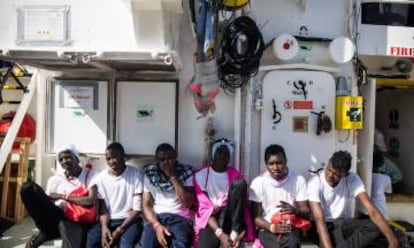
[
  {"x": 47, "y": 207},
  {"x": 278, "y": 190},
  {"x": 120, "y": 193},
  {"x": 168, "y": 196},
  {"x": 331, "y": 194},
  {"x": 381, "y": 184}
]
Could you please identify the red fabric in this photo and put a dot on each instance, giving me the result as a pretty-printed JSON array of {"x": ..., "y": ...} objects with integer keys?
[
  {"x": 27, "y": 128},
  {"x": 296, "y": 222},
  {"x": 78, "y": 213}
]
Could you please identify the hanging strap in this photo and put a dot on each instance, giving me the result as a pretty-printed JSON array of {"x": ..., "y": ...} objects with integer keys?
[{"x": 85, "y": 184}]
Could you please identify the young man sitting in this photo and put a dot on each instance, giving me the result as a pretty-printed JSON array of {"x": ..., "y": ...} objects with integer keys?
[
  {"x": 168, "y": 195},
  {"x": 331, "y": 194}
]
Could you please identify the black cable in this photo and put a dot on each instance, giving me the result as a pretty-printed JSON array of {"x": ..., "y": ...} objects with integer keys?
[{"x": 240, "y": 52}]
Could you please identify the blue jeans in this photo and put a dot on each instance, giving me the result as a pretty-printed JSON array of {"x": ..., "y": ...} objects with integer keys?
[
  {"x": 180, "y": 228},
  {"x": 129, "y": 238}
]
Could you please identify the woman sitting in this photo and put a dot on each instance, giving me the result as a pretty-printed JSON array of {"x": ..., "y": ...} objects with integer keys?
[{"x": 222, "y": 216}]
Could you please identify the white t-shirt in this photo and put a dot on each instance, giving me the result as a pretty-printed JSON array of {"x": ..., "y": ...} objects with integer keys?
[
  {"x": 121, "y": 193},
  {"x": 336, "y": 202},
  {"x": 167, "y": 202},
  {"x": 215, "y": 184},
  {"x": 60, "y": 184},
  {"x": 266, "y": 190},
  {"x": 381, "y": 184}
]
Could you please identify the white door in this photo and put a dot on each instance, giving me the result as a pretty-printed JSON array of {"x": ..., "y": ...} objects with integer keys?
[{"x": 291, "y": 99}]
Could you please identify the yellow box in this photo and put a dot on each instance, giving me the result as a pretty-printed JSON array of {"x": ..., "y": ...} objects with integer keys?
[
  {"x": 348, "y": 112},
  {"x": 235, "y": 3}
]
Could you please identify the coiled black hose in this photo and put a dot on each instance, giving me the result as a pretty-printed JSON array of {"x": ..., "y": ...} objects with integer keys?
[{"x": 240, "y": 51}]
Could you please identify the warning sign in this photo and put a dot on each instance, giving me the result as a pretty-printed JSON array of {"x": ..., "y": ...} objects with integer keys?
[{"x": 302, "y": 104}]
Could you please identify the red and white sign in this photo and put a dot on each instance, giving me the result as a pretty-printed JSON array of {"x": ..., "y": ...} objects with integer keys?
[
  {"x": 401, "y": 51},
  {"x": 78, "y": 97},
  {"x": 302, "y": 104}
]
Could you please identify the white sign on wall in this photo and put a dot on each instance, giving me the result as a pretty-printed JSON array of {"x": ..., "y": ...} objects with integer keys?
[
  {"x": 78, "y": 97},
  {"x": 43, "y": 25}
]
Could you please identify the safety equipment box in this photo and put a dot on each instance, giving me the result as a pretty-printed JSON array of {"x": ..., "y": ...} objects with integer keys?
[{"x": 348, "y": 112}]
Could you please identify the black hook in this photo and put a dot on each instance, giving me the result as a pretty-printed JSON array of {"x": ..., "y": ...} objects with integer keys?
[{"x": 277, "y": 116}]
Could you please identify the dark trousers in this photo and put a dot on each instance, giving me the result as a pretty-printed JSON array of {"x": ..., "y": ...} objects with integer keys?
[
  {"x": 180, "y": 228},
  {"x": 230, "y": 218},
  {"x": 73, "y": 234},
  {"x": 49, "y": 218},
  {"x": 128, "y": 239},
  {"x": 348, "y": 233},
  {"x": 285, "y": 240}
]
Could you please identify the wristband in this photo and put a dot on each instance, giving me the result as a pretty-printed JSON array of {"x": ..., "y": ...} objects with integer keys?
[
  {"x": 218, "y": 232},
  {"x": 155, "y": 225}
]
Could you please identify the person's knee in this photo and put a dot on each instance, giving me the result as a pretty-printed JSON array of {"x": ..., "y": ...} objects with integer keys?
[
  {"x": 62, "y": 226},
  {"x": 27, "y": 188},
  {"x": 240, "y": 184},
  {"x": 182, "y": 243},
  {"x": 294, "y": 242},
  {"x": 182, "y": 240},
  {"x": 128, "y": 241},
  {"x": 372, "y": 228},
  {"x": 148, "y": 238},
  {"x": 94, "y": 233}
]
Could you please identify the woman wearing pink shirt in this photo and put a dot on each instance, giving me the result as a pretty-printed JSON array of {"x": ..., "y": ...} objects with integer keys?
[{"x": 222, "y": 216}]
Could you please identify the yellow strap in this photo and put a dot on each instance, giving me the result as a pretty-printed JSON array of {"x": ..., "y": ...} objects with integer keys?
[
  {"x": 396, "y": 225},
  {"x": 235, "y": 3},
  {"x": 10, "y": 87}
]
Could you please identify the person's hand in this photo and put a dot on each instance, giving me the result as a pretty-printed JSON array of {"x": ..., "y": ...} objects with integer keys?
[
  {"x": 282, "y": 226},
  {"x": 117, "y": 233},
  {"x": 106, "y": 238},
  {"x": 393, "y": 243},
  {"x": 161, "y": 232},
  {"x": 286, "y": 208},
  {"x": 236, "y": 243},
  {"x": 167, "y": 167},
  {"x": 225, "y": 240}
]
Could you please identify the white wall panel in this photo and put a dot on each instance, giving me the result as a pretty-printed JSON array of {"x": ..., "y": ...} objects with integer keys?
[
  {"x": 146, "y": 115},
  {"x": 85, "y": 125}
]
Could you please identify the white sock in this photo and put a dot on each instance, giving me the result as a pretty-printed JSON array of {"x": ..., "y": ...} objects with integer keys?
[{"x": 233, "y": 235}]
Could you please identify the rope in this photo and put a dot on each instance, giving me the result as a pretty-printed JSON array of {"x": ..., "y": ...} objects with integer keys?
[{"x": 209, "y": 134}]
